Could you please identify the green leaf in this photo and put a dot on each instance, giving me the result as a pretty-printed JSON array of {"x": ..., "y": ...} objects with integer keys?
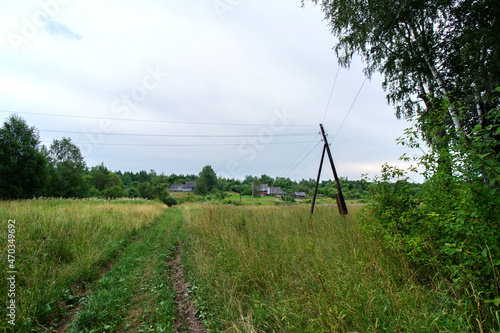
[{"x": 495, "y": 301}]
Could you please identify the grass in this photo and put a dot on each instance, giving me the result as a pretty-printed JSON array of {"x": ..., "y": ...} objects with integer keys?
[
  {"x": 266, "y": 269},
  {"x": 136, "y": 294},
  {"x": 61, "y": 247},
  {"x": 246, "y": 200}
]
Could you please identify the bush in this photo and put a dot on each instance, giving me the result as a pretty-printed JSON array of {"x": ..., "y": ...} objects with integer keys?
[
  {"x": 170, "y": 201},
  {"x": 114, "y": 192},
  {"x": 451, "y": 225}
]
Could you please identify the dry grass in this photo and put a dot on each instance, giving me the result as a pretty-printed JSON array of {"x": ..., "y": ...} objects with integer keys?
[
  {"x": 61, "y": 244},
  {"x": 265, "y": 269}
]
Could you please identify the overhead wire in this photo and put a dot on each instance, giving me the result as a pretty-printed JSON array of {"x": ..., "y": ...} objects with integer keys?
[
  {"x": 308, "y": 164},
  {"x": 180, "y": 135},
  {"x": 349, "y": 111},
  {"x": 181, "y": 145},
  {"x": 303, "y": 159},
  {"x": 298, "y": 157},
  {"x": 331, "y": 94},
  {"x": 153, "y": 121}
]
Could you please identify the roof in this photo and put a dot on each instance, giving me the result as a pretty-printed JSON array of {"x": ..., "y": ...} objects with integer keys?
[
  {"x": 275, "y": 191},
  {"x": 300, "y": 194},
  {"x": 263, "y": 188},
  {"x": 176, "y": 187},
  {"x": 190, "y": 184},
  {"x": 180, "y": 187}
]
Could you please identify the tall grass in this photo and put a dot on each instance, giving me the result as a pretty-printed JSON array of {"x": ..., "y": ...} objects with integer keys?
[
  {"x": 266, "y": 269},
  {"x": 61, "y": 245}
]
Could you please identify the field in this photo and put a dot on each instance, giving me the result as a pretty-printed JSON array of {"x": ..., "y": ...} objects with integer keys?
[
  {"x": 269, "y": 269},
  {"x": 107, "y": 266},
  {"x": 61, "y": 248}
]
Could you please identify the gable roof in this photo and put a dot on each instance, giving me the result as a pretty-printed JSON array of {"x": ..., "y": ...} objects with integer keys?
[
  {"x": 190, "y": 184},
  {"x": 263, "y": 188},
  {"x": 275, "y": 191},
  {"x": 176, "y": 187}
]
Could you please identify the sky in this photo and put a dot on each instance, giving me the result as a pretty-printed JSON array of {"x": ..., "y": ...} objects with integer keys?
[{"x": 176, "y": 85}]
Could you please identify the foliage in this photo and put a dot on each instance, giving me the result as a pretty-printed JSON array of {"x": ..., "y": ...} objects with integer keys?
[
  {"x": 206, "y": 181},
  {"x": 114, "y": 192},
  {"x": 67, "y": 170},
  {"x": 433, "y": 50},
  {"x": 170, "y": 201},
  {"x": 23, "y": 166},
  {"x": 453, "y": 226}
]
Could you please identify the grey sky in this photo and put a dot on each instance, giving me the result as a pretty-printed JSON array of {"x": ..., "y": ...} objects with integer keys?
[{"x": 180, "y": 68}]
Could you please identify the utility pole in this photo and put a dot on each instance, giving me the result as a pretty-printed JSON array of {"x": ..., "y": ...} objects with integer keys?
[{"x": 339, "y": 196}]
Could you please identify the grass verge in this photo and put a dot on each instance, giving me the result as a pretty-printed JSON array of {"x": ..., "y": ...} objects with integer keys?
[{"x": 266, "y": 269}]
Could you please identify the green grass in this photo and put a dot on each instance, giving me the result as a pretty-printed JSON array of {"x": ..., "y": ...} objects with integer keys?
[
  {"x": 266, "y": 269},
  {"x": 62, "y": 246},
  {"x": 136, "y": 294}
]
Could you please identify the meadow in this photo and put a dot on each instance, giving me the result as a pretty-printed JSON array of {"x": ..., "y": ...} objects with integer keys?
[
  {"x": 106, "y": 266},
  {"x": 61, "y": 247},
  {"x": 270, "y": 269}
]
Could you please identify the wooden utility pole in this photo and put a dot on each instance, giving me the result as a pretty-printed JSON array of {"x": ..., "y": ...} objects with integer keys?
[{"x": 339, "y": 196}]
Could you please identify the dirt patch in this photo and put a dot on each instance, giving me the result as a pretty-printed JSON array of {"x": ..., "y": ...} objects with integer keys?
[{"x": 185, "y": 319}]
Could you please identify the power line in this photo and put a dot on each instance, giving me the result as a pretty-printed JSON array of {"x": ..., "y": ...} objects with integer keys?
[
  {"x": 331, "y": 93},
  {"x": 152, "y": 121},
  {"x": 303, "y": 158},
  {"x": 305, "y": 149},
  {"x": 308, "y": 164},
  {"x": 349, "y": 111},
  {"x": 180, "y": 135},
  {"x": 180, "y": 145}
]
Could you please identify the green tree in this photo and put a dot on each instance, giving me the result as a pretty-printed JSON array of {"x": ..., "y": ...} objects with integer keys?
[
  {"x": 437, "y": 51},
  {"x": 68, "y": 170},
  {"x": 23, "y": 166},
  {"x": 146, "y": 190},
  {"x": 206, "y": 181},
  {"x": 113, "y": 180}
]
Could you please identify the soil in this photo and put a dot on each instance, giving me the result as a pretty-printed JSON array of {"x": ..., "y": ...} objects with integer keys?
[{"x": 185, "y": 319}]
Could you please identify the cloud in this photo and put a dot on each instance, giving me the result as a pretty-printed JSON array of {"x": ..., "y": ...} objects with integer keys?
[{"x": 57, "y": 29}]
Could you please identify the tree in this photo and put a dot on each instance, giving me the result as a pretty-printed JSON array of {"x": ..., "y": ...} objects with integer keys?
[
  {"x": 265, "y": 179},
  {"x": 206, "y": 181},
  {"x": 255, "y": 188},
  {"x": 146, "y": 190},
  {"x": 114, "y": 180},
  {"x": 447, "y": 50},
  {"x": 23, "y": 166},
  {"x": 68, "y": 170}
]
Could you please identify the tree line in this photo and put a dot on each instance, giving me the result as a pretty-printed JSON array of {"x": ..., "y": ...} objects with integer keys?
[{"x": 29, "y": 169}]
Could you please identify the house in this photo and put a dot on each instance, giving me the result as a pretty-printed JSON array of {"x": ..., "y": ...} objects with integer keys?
[
  {"x": 263, "y": 189},
  {"x": 299, "y": 195},
  {"x": 270, "y": 190},
  {"x": 188, "y": 187},
  {"x": 275, "y": 191},
  {"x": 176, "y": 187}
]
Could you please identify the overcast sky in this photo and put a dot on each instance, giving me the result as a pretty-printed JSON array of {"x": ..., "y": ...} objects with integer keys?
[{"x": 176, "y": 85}]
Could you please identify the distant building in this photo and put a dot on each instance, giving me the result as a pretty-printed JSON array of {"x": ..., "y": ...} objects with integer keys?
[
  {"x": 264, "y": 189},
  {"x": 271, "y": 191},
  {"x": 188, "y": 187},
  {"x": 299, "y": 195}
]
